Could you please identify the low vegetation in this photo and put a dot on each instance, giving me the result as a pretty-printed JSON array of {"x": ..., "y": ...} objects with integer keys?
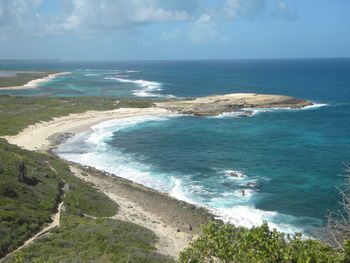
[
  {"x": 30, "y": 189},
  {"x": 24, "y": 77},
  {"x": 16, "y": 113},
  {"x": 29, "y": 193},
  {"x": 81, "y": 239},
  {"x": 227, "y": 243}
]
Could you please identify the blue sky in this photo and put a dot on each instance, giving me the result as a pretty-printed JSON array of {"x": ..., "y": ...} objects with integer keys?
[{"x": 173, "y": 29}]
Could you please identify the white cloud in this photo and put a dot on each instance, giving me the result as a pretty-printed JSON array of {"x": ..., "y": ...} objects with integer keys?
[
  {"x": 26, "y": 18},
  {"x": 245, "y": 8},
  {"x": 204, "y": 29},
  {"x": 172, "y": 36},
  {"x": 119, "y": 14},
  {"x": 283, "y": 11}
]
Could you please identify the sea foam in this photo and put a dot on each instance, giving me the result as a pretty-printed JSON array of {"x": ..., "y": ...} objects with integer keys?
[
  {"x": 227, "y": 203},
  {"x": 148, "y": 88},
  {"x": 255, "y": 111}
]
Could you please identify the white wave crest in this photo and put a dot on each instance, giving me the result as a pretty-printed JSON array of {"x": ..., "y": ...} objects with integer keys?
[
  {"x": 249, "y": 217},
  {"x": 255, "y": 111},
  {"x": 148, "y": 88},
  {"x": 235, "y": 174}
]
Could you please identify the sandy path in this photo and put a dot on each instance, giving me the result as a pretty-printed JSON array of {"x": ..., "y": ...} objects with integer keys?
[{"x": 35, "y": 137}]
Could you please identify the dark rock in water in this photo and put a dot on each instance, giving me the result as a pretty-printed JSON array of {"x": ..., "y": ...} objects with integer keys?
[
  {"x": 59, "y": 137},
  {"x": 253, "y": 185},
  {"x": 244, "y": 114},
  {"x": 235, "y": 174}
]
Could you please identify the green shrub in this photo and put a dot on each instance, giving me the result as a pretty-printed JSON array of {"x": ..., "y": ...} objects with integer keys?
[
  {"x": 227, "y": 243},
  {"x": 80, "y": 199},
  {"x": 80, "y": 239},
  {"x": 26, "y": 204}
]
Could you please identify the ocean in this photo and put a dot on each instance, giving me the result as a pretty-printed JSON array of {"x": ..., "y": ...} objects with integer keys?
[{"x": 286, "y": 163}]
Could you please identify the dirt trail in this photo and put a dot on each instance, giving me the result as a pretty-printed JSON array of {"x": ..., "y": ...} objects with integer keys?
[{"x": 55, "y": 223}]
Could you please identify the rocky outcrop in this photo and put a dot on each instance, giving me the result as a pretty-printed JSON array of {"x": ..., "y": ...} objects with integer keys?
[
  {"x": 236, "y": 102},
  {"x": 59, "y": 137}
]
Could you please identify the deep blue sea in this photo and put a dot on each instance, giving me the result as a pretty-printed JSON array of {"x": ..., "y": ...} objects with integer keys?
[{"x": 288, "y": 161}]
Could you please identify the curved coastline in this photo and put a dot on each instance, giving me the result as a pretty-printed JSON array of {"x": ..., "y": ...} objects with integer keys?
[
  {"x": 36, "y": 136},
  {"x": 176, "y": 222}
]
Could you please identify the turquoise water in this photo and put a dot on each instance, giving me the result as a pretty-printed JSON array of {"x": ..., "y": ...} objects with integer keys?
[{"x": 287, "y": 160}]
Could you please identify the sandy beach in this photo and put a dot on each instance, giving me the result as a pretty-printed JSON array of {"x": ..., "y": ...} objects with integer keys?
[
  {"x": 35, "y": 82},
  {"x": 175, "y": 222},
  {"x": 35, "y": 137}
]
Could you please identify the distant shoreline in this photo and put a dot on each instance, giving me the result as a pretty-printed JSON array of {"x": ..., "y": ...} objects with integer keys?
[{"x": 34, "y": 83}]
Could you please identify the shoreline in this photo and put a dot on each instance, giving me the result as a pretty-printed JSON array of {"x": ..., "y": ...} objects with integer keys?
[
  {"x": 175, "y": 222},
  {"x": 36, "y": 137},
  {"x": 32, "y": 84}
]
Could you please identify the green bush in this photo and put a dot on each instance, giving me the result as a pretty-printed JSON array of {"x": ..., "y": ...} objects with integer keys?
[
  {"x": 80, "y": 199},
  {"x": 80, "y": 239},
  {"x": 227, "y": 243}
]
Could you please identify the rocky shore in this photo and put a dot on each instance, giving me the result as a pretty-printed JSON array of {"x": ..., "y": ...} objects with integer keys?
[
  {"x": 176, "y": 223},
  {"x": 236, "y": 102}
]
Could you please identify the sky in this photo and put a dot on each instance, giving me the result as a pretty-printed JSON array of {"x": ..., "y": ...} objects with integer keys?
[{"x": 88, "y": 30}]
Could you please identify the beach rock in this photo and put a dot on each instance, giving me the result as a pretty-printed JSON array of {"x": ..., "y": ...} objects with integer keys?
[
  {"x": 236, "y": 102},
  {"x": 59, "y": 137},
  {"x": 244, "y": 114},
  {"x": 253, "y": 185},
  {"x": 235, "y": 174}
]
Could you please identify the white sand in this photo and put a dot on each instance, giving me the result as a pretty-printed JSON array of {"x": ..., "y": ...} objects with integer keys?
[{"x": 35, "y": 137}]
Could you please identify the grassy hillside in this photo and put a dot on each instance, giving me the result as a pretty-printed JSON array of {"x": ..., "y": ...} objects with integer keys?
[
  {"x": 16, "y": 113},
  {"x": 29, "y": 193}
]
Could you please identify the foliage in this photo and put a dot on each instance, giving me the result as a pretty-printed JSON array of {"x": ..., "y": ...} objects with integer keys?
[
  {"x": 227, "y": 243},
  {"x": 16, "y": 113},
  {"x": 29, "y": 194},
  {"x": 81, "y": 239},
  {"x": 24, "y": 77},
  {"x": 27, "y": 197},
  {"x": 81, "y": 200}
]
